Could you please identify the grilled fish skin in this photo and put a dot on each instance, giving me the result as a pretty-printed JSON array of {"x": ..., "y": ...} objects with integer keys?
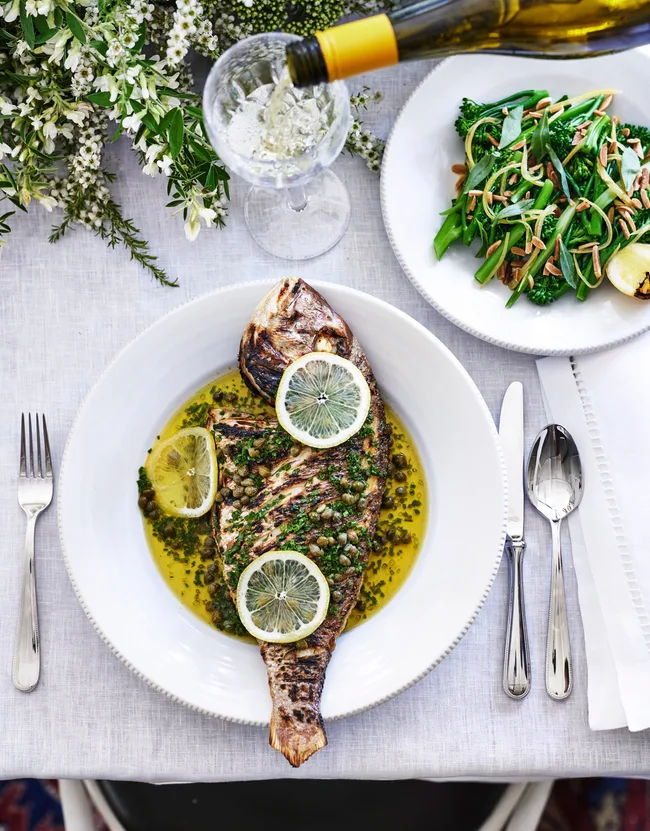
[{"x": 332, "y": 494}]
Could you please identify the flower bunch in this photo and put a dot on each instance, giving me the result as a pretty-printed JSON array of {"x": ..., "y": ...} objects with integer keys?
[{"x": 77, "y": 74}]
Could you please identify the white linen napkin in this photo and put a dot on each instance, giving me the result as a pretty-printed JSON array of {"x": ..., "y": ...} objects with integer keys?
[{"x": 604, "y": 402}]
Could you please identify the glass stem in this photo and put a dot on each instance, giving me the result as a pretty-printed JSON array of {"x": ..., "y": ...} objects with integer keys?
[{"x": 297, "y": 198}]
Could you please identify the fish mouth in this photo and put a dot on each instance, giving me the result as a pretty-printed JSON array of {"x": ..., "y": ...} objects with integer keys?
[{"x": 291, "y": 321}]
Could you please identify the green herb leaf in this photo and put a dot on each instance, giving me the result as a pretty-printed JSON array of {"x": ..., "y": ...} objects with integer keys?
[
  {"x": 45, "y": 36},
  {"x": 102, "y": 99},
  {"x": 100, "y": 46},
  {"x": 516, "y": 209},
  {"x": 511, "y": 127},
  {"x": 630, "y": 166},
  {"x": 27, "y": 23},
  {"x": 75, "y": 25},
  {"x": 479, "y": 172},
  {"x": 557, "y": 164},
  {"x": 150, "y": 123},
  {"x": 142, "y": 33},
  {"x": 175, "y": 132},
  {"x": 541, "y": 138},
  {"x": 567, "y": 265}
]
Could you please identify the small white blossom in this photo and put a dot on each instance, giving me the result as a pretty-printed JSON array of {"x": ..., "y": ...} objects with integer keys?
[
  {"x": 48, "y": 202},
  {"x": 6, "y": 107},
  {"x": 132, "y": 123},
  {"x": 37, "y": 123},
  {"x": 165, "y": 165},
  {"x": 4, "y": 150},
  {"x": 151, "y": 169}
]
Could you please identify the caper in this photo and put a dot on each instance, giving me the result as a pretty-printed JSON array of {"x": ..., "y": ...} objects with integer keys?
[
  {"x": 217, "y": 617},
  {"x": 295, "y": 450},
  {"x": 376, "y": 545},
  {"x": 391, "y": 469},
  {"x": 401, "y": 491},
  {"x": 358, "y": 486},
  {"x": 251, "y": 490},
  {"x": 320, "y": 509},
  {"x": 263, "y": 471},
  {"x": 143, "y": 502},
  {"x": 405, "y": 537},
  {"x": 352, "y": 535},
  {"x": 225, "y": 492},
  {"x": 388, "y": 502},
  {"x": 361, "y": 605},
  {"x": 353, "y": 550},
  {"x": 314, "y": 517},
  {"x": 207, "y": 555},
  {"x": 350, "y": 570},
  {"x": 238, "y": 491},
  {"x": 327, "y": 513},
  {"x": 149, "y": 493},
  {"x": 169, "y": 530},
  {"x": 342, "y": 538},
  {"x": 321, "y": 541},
  {"x": 231, "y": 396},
  {"x": 236, "y": 479},
  {"x": 228, "y": 625},
  {"x": 259, "y": 442},
  {"x": 345, "y": 561},
  {"x": 347, "y": 499},
  {"x": 245, "y": 500},
  {"x": 302, "y": 644},
  {"x": 236, "y": 504},
  {"x": 345, "y": 482},
  {"x": 209, "y": 577},
  {"x": 217, "y": 395},
  {"x": 391, "y": 534},
  {"x": 314, "y": 549},
  {"x": 243, "y": 470},
  {"x": 336, "y": 516},
  {"x": 330, "y": 581},
  {"x": 254, "y": 453},
  {"x": 330, "y": 540},
  {"x": 151, "y": 506},
  {"x": 338, "y": 578},
  {"x": 246, "y": 483},
  {"x": 155, "y": 514},
  {"x": 400, "y": 476},
  {"x": 337, "y": 596},
  {"x": 399, "y": 460}
]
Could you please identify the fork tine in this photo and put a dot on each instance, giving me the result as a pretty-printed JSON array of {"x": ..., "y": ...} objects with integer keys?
[
  {"x": 23, "y": 452},
  {"x": 31, "y": 447},
  {"x": 48, "y": 457},
  {"x": 38, "y": 448}
]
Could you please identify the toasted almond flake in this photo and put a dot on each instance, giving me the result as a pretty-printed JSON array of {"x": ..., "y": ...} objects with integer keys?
[
  {"x": 612, "y": 147},
  {"x": 543, "y": 103},
  {"x": 599, "y": 113},
  {"x": 582, "y": 207},
  {"x": 557, "y": 213},
  {"x": 493, "y": 140},
  {"x": 555, "y": 108},
  {"x": 475, "y": 192},
  {"x": 535, "y": 114},
  {"x": 626, "y": 131},
  {"x": 518, "y": 251},
  {"x": 602, "y": 155},
  {"x": 518, "y": 146},
  {"x": 518, "y": 263},
  {"x": 637, "y": 182},
  {"x": 470, "y": 217},
  {"x": 516, "y": 275},
  {"x": 489, "y": 197},
  {"x": 562, "y": 199},
  {"x": 608, "y": 100},
  {"x": 595, "y": 256},
  {"x": 645, "y": 178},
  {"x": 637, "y": 203},
  {"x": 504, "y": 110},
  {"x": 529, "y": 245},
  {"x": 630, "y": 222},
  {"x": 535, "y": 168},
  {"x": 527, "y": 196},
  {"x": 616, "y": 120},
  {"x": 623, "y": 211},
  {"x": 507, "y": 193},
  {"x": 610, "y": 214},
  {"x": 549, "y": 169},
  {"x": 501, "y": 272},
  {"x": 459, "y": 168},
  {"x": 493, "y": 248},
  {"x": 587, "y": 246},
  {"x": 537, "y": 242},
  {"x": 556, "y": 250},
  {"x": 554, "y": 179},
  {"x": 472, "y": 204},
  {"x": 585, "y": 124},
  {"x": 459, "y": 183},
  {"x": 645, "y": 199},
  {"x": 632, "y": 141},
  {"x": 553, "y": 269},
  {"x": 624, "y": 228},
  {"x": 498, "y": 198},
  {"x": 577, "y": 138},
  {"x": 531, "y": 282},
  {"x": 513, "y": 178}
]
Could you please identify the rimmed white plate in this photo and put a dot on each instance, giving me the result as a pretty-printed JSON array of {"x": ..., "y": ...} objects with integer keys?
[
  {"x": 121, "y": 589},
  {"x": 417, "y": 184}
]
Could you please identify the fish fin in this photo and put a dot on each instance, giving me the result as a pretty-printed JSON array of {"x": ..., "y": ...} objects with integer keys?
[{"x": 296, "y": 744}]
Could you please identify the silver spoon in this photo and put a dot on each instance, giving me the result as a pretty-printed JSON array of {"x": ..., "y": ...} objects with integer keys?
[{"x": 554, "y": 484}]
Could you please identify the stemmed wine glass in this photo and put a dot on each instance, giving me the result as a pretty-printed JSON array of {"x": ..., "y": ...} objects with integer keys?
[{"x": 297, "y": 208}]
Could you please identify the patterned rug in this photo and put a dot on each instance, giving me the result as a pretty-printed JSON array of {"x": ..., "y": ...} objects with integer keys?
[{"x": 575, "y": 805}]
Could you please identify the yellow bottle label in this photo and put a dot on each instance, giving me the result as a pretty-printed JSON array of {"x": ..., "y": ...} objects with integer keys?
[{"x": 357, "y": 47}]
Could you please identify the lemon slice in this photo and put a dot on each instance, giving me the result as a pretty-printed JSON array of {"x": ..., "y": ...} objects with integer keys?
[
  {"x": 183, "y": 472},
  {"x": 629, "y": 270},
  {"x": 322, "y": 400},
  {"x": 282, "y": 597}
]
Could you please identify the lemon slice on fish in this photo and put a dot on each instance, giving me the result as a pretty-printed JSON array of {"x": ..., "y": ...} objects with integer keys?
[
  {"x": 322, "y": 400},
  {"x": 629, "y": 270},
  {"x": 183, "y": 472},
  {"x": 282, "y": 597}
]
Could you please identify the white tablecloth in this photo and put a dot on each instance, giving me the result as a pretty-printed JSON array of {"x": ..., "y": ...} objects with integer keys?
[{"x": 65, "y": 310}]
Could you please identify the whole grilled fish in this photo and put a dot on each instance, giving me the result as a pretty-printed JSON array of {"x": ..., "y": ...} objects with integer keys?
[{"x": 303, "y": 495}]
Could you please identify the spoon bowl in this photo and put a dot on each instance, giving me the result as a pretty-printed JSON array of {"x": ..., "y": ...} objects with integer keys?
[{"x": 554, "y": 483}]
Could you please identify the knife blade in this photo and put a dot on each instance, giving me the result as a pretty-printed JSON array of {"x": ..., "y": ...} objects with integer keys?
[{"x": 516, "y": 662}]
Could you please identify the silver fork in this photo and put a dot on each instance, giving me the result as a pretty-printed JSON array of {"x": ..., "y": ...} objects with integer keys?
[{"x": 34, "y": 495}]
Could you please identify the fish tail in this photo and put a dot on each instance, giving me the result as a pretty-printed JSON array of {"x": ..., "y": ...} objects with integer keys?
[{"x": 296, "y": 747}]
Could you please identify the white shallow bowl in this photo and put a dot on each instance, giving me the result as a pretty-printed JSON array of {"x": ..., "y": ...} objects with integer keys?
[
  {"x": 121, "y": 589},
  {"x": 417, "y": 184}
]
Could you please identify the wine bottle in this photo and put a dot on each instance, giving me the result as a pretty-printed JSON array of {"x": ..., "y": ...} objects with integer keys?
[{"x": 437, "y": 28}]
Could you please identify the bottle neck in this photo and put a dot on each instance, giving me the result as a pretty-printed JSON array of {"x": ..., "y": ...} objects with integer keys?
[{"x": 342, "y": 51}]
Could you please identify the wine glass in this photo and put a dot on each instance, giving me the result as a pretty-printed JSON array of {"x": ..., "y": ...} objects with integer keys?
[{"x": 297, "y": 208}]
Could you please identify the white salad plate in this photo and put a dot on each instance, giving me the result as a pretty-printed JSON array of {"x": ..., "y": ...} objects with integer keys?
[
  {"x": 121, "y": 589},
  {"x": 417, "y": 184}
]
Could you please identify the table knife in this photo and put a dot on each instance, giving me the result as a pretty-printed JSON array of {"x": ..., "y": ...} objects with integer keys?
[{"x": 516, "y": 664}]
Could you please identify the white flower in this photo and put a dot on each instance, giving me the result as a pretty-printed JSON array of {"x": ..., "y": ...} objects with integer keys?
[
  {"x": 37, "y": 123},
  {"x": 20, "y": 48},
  {"x": 192, "y": 228},
  {"x": 6, "y": 107},
  {"x": 153, "y": 152},
  {"x": 11, "y": 13},
  {"x": 129, "y": 75},
  {"x": 247, "y": 3},
  {"x": 44, "y": 7},
  {"x": 165, "y": 165},
  {"x": 4, "y": 149},
  {"x": 48, "y": 202},
  {"x": 151, "y": 169},
  {"x": 132, "y": 122},
  {"x": 30, "y": 8},
  {"x": 49, "y": 129},
  {"x": 33, "y": 95},
  {"x": 208, "y": 216},
  {"x": 128, "y": 40},
  {"x": 72, "y": 58}
]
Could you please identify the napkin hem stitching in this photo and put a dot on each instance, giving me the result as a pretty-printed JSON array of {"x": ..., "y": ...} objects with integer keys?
[{"x": 636, "y": 593}]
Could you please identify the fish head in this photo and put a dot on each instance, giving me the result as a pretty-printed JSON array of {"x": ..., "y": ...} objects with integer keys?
[{"x": 292, "y": 320}]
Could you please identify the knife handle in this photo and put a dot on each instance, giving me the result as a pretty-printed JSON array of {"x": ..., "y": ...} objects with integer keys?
[{"x": 516, "y": 663}]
